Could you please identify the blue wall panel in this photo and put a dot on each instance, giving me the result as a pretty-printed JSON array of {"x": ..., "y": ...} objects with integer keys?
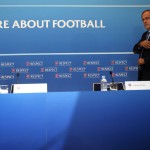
[
  {"x": 123, "y": 28},
  {"x": 114, "y": 28},
  {"x": 68, "y": 72}
]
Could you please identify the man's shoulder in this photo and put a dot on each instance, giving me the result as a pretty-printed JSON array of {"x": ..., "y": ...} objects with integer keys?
[{"x": 145, "y": 33}]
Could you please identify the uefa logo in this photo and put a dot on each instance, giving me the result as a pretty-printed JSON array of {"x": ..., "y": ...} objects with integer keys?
[
  {"x": 91, "y": 75},
  {"x": 63, "y": 63},
  {"x": 19, "y": 70},
  {"x": 109, "y": 68},
  {"x": 119, "y": 62},
  {"x": 34, "y": 63},
  {"x": 6, "y": 77},
  {"x": 120, "y": 74},
  {"x": 63, "y": 75},
  {"x": 95, "y": 62},
  {"x": 77, "y": 69},
  {"x": 49, "y": 69},
  {"x": 131, "y": 68},
  {"x": 34, "y": 76},
  {"x": 7, "y": 64}
]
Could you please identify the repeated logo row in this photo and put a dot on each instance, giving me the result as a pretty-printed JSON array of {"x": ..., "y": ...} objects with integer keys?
[
  {"x": 63, "y": 75},
  {"x": 63, "y": 63},
  {"x": 71, "y": 69}
]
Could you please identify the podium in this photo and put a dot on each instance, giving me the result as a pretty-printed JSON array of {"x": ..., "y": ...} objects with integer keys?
[{"x": 29, "y": 88}]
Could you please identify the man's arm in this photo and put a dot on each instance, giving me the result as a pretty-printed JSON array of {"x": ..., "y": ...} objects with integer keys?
[{"x": 137, "y": 49}]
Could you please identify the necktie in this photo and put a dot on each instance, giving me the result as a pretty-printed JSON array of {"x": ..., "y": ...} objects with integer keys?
[{"x": 148, "y": 35}]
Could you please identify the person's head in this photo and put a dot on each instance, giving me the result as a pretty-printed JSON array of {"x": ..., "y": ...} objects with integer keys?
[{"x": 146, "y": 19}]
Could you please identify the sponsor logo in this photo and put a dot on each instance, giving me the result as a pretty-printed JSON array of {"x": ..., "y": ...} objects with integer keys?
[
  {"x": 119, "y": 62},
  {"x": 49, "y": 69},
  {"x": 91, "y": 75},
  {"x": 7, "y": 64},
  {"x": 34, "y": 76},
  {"x": 120, "y": 74},
  {"x": 19, "y": 70},
  {"x": 131, "y": 68},
  {"x": 105, "y": 69},
  {"x": 77, "y": 69},
  {"x": 63, "y": 63},
  {"x": 34, "y": 63},
  {"x": 63, "y": 75},
  {"x": 96, "y": 62},
  {"x": 6, "y": 77}
]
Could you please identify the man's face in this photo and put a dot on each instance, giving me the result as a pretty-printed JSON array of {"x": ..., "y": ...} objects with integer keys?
[{"x": 146, "y": 20}]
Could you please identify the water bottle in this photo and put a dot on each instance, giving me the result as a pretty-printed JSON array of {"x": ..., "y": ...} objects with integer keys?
[{"x": 103, "y": 84}]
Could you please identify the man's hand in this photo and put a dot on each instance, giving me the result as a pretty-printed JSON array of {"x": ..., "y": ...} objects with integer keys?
[
  {"x": 145, "y": 44},
  {"x": 141, "y": 61}
]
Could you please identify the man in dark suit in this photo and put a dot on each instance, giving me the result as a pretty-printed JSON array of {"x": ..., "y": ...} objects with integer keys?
[{"x": 143, "y": 49}]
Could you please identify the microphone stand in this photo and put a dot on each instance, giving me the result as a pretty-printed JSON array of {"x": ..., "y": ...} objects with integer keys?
[
  {"x": 17, "y": 78},
  {"x": 113, "y": 86}
]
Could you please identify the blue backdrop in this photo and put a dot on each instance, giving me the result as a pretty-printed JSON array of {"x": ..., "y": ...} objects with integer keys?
[{"x": 35, "y": 35}]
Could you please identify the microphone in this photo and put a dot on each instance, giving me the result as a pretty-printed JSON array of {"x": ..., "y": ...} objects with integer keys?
[
  {"x": 113, "y": 86},
  {"x": 12, "y": 86},
  {"x": 18, "y": 74},
  {"x": 112, "y": 79}
]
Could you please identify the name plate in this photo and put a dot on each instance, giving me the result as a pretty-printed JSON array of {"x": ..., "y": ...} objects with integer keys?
[
  {"x": 29, "y": 88},
  {"x": 137, "y": 85}
]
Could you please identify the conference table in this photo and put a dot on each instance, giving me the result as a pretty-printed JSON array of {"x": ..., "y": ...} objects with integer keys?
[{"x": 112, "y": 120}]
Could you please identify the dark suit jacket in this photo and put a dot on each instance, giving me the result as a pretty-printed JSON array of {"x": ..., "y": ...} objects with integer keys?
[{"x": 144, "y": 71}]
